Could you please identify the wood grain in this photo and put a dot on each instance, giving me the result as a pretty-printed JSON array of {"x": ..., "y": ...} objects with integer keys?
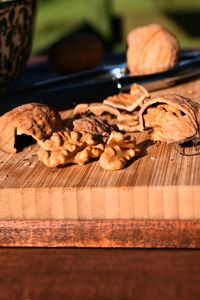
[
  {"x": 80, "y": 274},
  {"x": 101, "y": 233}
]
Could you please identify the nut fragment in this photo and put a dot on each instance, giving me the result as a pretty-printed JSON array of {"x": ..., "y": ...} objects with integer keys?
[
  {"x": 34, "y": 119},
  {"x": 128, "y": 101},
  {"x": 119, "y": 149},
  {"x": 151, "y": 49},
  {"x": 67, "y": 146},
  {"x": 172, "y": 118},
  {"x": 128, "y": 122}
]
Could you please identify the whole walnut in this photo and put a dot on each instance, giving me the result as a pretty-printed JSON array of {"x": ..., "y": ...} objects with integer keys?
[
  {"x": 76, "y": 53},
  {"x": 151, "y": 49}
]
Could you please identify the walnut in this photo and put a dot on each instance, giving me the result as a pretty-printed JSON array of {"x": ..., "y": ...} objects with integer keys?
[
  {"x": 120, "y": 148},
  {"x": 34, "y": 119},
  {"x": 151, "y": 49},
  {"x": 172, "y": 118},
  {"x": 77, "y": 52},
  {"x": 92, "y": 125},
  {"x": 128, "y": 101},
  {"x": 67, "y": 147}
]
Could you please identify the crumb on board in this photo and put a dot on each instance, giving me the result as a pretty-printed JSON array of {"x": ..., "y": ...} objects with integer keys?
[
  {"x": 4, "y": 177},
  {"x": 153, "y": 158}
]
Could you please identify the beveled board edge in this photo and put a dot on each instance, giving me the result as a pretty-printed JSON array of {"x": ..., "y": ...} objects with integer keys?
[{"x": 101, "y": 233}]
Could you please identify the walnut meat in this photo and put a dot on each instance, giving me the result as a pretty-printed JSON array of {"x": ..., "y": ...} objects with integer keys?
[
  {"x": 34, "y": 119},
  {"x": 67, "y": 147},
  {"x": 151, "y": 49},
  {"x": 120, "y": 148},
  {"x": 172, "y": 118}
]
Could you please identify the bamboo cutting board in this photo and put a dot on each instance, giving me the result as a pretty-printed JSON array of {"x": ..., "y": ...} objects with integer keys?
[{"x": 153, "y": 202}]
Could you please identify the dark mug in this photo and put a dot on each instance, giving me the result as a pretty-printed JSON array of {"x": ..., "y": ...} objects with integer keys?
[{"x": 16, "y": 32}]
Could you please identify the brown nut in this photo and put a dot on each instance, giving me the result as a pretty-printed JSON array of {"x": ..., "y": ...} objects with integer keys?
[
  {"x": 151, "y": 49},
  {"x": 34, "y": 119},
  {"x": 76, "y": 53},
  {"x": 120, "y": 148},
  {"x": 172, "y": 118}
]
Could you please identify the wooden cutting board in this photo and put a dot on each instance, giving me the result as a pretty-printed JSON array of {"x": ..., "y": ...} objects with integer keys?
[{"x": 153, "y": 202}]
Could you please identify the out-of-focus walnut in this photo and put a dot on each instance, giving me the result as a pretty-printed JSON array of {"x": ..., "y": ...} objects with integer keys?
[
  {"x": 34, "y": 119},
  {"x": 76, "y": 53},
  {"x": 172, "y": 118},
  {"x": 128, "y": 101},
  {"x": 93, "y": 125},
  {"x": 120, "y": 148},
  {"x": 67, "y": 146},
  {"x": 151, "y": 49}
]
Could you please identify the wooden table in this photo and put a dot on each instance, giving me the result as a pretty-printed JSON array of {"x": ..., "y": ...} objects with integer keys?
[{"x": 38, "y": 274}]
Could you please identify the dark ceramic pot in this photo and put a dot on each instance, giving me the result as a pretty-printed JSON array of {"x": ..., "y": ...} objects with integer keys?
[{"x": 16, "y": 32}]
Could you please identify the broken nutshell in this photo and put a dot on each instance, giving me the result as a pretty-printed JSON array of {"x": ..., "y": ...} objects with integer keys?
[
  {"x": 92, "y": 125},
  {"x": 34, "y": 119},
  {"x": 151, "y": 49},
  {"x": 128, "y": 101},
  {"x": 172, "y": 118}
]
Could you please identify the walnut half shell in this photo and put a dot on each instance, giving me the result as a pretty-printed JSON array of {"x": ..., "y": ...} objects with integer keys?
[
  {"x": 172, "y": 118},
  {"x": 34, "y": 119}
]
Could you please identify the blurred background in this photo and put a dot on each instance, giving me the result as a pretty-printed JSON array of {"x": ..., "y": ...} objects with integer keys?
[{"x": 111, "y": 20}]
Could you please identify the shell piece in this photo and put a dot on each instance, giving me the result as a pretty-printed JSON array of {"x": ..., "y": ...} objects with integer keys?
[
  {"x": 34, "y": 119},
  {"x": 128, "y": 122},
  {"x": 92, "y": 125},
  {"x": 128, "y": 101},
  {"x": 172, "y": 118},
  {"x": 151, "y": 49},
  {"x": 96, "y": 109}
]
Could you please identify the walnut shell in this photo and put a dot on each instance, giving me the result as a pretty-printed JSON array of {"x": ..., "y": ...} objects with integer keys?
[
  {"x": 33, "y": 119},
  {"x": 92, "y": 125},
  {"x": 128, "y": 101},
  {"x": 151, "y": 49},
  {"x": 172, "y": 118}
]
